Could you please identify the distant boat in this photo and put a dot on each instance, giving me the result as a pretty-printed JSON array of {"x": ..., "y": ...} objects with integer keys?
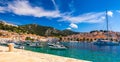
[
  {"x": 102, "y": 42},
  {"x": 3, "y": 43}
]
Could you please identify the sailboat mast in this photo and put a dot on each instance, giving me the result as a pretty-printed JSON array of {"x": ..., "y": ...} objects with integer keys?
[{"x": 107, "y": 25}]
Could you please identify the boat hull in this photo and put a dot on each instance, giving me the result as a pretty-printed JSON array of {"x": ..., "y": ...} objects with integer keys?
[
  {"x": 106, "y": 43},
  {"x": 56, "y": 48}
]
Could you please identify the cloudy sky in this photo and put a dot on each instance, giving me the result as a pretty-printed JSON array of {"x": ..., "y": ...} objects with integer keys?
[{"x": 76, "y": 15}]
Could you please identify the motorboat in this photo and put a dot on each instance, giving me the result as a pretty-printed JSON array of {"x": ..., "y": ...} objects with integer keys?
[
  {"x": 56, "y": 46},
  {"x": 19, "y": 46}
]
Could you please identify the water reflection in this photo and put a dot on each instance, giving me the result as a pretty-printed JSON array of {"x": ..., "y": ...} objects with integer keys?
[{"x": 86, "y": 51}]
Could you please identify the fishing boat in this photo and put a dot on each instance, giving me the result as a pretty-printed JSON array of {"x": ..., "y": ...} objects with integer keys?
[{"x": 107, "y": 42}]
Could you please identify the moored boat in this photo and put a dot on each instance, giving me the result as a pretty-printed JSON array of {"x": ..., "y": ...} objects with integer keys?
[
  {"x": 101, "y": 42},
  {"x": 107, "y": 42},
  {"x": 57, "y": 46}
]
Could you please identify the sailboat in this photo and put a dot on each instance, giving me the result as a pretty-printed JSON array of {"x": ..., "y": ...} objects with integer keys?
[{"x": 107, "y": 42}]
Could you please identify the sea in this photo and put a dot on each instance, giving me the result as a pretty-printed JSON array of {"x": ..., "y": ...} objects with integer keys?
[{"x": 84, "y": 51}]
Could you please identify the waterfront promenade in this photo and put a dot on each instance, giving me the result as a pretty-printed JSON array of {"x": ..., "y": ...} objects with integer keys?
[{"x": 27, "y": 56}]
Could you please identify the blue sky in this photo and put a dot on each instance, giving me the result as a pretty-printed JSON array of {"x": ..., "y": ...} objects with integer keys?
[{"x": 76, "y": 15}]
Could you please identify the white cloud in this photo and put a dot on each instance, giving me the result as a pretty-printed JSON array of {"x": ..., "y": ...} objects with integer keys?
[
  {"x": 103, "y": 17},
  {"x": 56, "y": 7},
  {"x": 69, "y": 28},
  {"x": 72, "y": 25},
  {"x": 2, "y": 9},
  {"x": 71, "y": 6},
  {"x": 24, "y": 8},
  {"x": 110, "y": 13},
  {"x": 87, "y": 18}
]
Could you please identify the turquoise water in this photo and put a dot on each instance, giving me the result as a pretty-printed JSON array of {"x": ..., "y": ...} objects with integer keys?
[{"x": 85, "y": 51}]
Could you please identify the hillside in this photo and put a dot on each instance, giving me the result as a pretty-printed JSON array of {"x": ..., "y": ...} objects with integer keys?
[
  {"x": 45, "y": 30},
  {"x": 36, "y": 29}
]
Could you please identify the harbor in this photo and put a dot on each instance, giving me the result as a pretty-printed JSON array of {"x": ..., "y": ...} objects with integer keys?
[
  {"x": 80, "y": 51},
  {"x": 84, "y": 51},
  {"x": 59, "y": 31}
]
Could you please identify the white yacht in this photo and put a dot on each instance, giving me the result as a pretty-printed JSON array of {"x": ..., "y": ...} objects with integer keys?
[{"x": 56, "y": 46}]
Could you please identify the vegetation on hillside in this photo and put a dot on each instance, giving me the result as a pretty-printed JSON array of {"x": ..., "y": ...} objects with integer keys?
[{"x": 36, "y": 29}]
